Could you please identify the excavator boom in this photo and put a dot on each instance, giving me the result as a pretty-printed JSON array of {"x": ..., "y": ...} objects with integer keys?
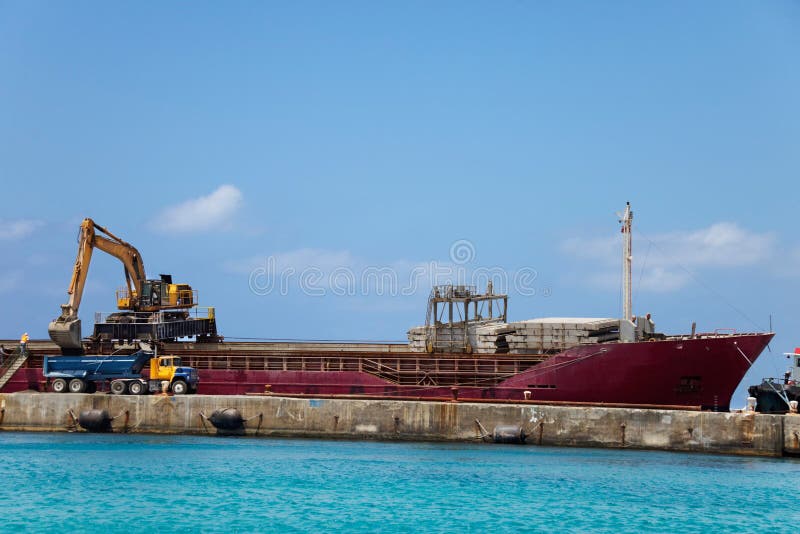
[{"x": 65, "y": 330}]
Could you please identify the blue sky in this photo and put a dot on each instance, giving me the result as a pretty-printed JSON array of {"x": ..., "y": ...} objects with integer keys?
[{"x": 361, "y": 135}]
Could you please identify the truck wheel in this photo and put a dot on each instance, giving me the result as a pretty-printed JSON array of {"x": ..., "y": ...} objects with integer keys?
[
  {"x": 118, "y": 387},
  {"x": 76, "y": 385},
  {"x": 59, "y": 385},
  {"x": 179, "y": 387},
  {"x": 136, "y": 388}
]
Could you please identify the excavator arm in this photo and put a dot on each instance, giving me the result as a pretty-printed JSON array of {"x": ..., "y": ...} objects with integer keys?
[
  {"x": 65, "y": 330},
  {"x": 130, "y": 258}
]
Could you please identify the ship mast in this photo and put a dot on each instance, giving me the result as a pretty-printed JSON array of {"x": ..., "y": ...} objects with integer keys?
[{"x": 627, "y": 259}]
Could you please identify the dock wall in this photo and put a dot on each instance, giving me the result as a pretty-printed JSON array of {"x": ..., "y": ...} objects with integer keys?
[{"x": 672, "y": 430}]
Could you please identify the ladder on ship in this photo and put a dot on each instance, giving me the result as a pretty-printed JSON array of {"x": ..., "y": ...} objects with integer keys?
[
  {"x": 381, "y": 370},
  {"x": 11, "y": 365}
]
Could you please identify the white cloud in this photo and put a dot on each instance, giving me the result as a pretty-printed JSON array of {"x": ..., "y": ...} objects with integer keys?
[
  {"x": 669, "y": 258},
  {"x": 18, "y": 229},
  {"x": 720, "y": 245},
  {"x": 213, "y": 211},
  {"x": 661, "y": 280}
]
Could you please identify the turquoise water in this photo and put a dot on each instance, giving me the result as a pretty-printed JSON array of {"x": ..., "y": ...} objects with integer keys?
[{"x": 135, "y": 483}]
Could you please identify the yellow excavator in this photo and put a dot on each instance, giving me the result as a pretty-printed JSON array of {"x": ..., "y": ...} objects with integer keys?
[{"x": 142, "y": 300}]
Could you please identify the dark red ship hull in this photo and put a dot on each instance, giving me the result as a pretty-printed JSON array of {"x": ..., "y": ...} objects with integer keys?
[
  {"x": 701, "y": 371},
  {"x": 698, "y": 372}
]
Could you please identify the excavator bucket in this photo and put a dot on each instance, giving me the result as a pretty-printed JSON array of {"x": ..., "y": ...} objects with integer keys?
[{"x": 66, "y": 334}]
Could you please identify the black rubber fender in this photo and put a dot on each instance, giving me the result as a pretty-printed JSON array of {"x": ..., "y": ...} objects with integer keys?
[
  {"x": 95, "y": 421},
  {"x": 509, "y": 434},
  {"x": 228, "y": 421}
]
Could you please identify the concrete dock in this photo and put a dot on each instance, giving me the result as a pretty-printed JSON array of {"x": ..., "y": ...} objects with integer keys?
[{"x": 667, "y": 430}]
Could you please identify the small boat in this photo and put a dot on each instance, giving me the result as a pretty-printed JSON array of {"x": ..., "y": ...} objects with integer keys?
[{"x": 777, "y": 395}]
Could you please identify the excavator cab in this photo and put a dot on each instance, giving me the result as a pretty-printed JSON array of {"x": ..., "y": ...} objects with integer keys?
[
  {"x": 156, "y": 295},
  {"x": 151, "y": 295}
]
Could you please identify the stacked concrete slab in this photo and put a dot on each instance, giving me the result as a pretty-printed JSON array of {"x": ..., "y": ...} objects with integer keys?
[
  {"x": 419, "y": 336},
  {"x": 490, "y": 338},
  {"x": 484, "y": 338},
  {"x": 560, "y": 333},
  {"x": 523, "y": 337}
]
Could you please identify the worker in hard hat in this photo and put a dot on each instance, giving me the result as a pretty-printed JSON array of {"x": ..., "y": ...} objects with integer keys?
[{"x": 23, "y": 343}]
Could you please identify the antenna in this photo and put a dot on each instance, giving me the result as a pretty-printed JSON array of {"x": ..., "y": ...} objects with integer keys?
[{"x": 627, "y": 260}]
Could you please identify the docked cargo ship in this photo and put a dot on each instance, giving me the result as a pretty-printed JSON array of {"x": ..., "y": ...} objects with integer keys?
[
  {"x": 687, "y": 370},
  {"x": 468, "y": 349}
]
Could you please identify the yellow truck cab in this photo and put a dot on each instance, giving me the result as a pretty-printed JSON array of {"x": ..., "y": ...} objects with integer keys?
[
  {"x": 169, "y": 369},
  {"x": 163, "y": 367}
]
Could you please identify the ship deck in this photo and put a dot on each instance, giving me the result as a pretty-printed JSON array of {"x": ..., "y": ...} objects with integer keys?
[{"x": 391, "y": 362}]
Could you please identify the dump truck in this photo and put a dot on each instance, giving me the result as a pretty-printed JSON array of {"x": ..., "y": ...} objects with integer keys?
[{"x": 124, "y": 373}]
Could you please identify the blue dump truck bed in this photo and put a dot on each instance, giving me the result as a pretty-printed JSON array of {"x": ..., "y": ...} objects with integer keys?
[{"x": 96, "y": 367}]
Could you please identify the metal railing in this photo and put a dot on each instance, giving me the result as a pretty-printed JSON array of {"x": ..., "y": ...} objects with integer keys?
[
  {"x": 10, "y": 364},
  {"x": 198, "y": 312},
  {"x": 454, "y": 291},
  {"x": 404, "y": 370}
]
